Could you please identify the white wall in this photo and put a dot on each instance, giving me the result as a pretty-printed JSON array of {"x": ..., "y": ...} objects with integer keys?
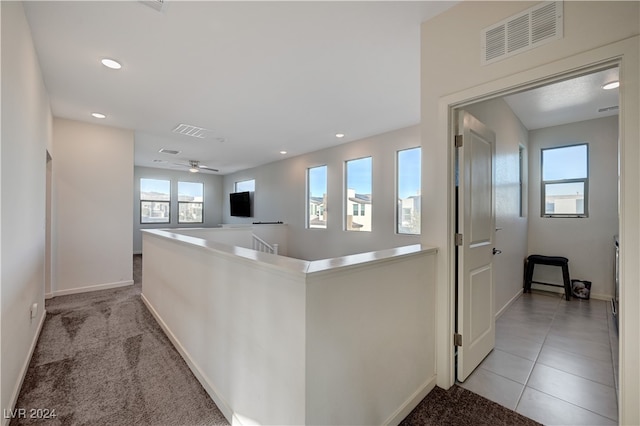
[
  {"x": 93, "y": 176},
  {"x": 281, "y": 191},
  {"x": 586, "y": 242},
  {"x": 212, "y": 200},
  {"x": 368, "y": 356},
  {"x": 511, "y": 237},
  {"x": 452, "y": 74},
  {"x": 26, "y": 136},
  {"x": 276, "y": 340},
  {"x": 240, "y": 326}
]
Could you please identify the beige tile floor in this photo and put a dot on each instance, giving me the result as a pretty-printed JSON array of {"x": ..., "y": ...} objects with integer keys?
[{"x": 553, "y": 361}]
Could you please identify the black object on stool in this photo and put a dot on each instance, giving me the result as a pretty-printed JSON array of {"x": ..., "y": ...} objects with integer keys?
[{"x": 536, "y": 259}]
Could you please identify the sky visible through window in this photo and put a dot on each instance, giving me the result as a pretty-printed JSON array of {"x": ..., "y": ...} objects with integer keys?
[
  {"x": 359, "y": 175},
  {"x": 155, "y": 185},
  {"x": 317, "y": 181},
  {"x": 565, "y": 163},
  {"x": 408, "y": 172},
  {"x": 246, "y": 185},
  {"x": 192, "y": 189}
]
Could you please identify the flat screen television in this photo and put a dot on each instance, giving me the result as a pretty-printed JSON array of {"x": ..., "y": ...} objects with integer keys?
[{"x": 240, "y": 203}]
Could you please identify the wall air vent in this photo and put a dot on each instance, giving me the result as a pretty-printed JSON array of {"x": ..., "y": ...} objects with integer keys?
[
  {"x": 524, "y": 31},
  {"x": 193, "y": 131},
  {"x": 169, "y": 151}
]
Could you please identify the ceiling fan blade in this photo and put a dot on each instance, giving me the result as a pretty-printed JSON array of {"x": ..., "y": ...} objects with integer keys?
[
  {"x": 181, "y": 164},
  {"x": 202, "y": 166}
]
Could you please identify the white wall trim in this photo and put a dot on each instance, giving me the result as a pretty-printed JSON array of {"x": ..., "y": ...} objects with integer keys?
[
  {"x": 509, "y": 303},
  {"x": 411, "y": 403},
  {"x": 204, "y": 380},
  {"x": 96, "y": 287},
  {"x": 25, "y": 367},
  {"x": 599, "y": 296}
]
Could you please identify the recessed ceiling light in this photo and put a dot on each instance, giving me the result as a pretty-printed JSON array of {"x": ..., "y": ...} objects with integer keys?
[
  {"x": 339, "y": 135},
  {"x": 110, "y": 63},
  {"x": 611, "y": 85},
  {"x": 283, "y": 152},
  {"x": 98, "y": 115}
]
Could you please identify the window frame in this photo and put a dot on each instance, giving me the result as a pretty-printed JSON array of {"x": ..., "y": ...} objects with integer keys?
[
  {"x": 399, "y": 210},
  {"x": 191, "y": 202},
  {"x": 235, "y": 185},
  {"x": 522, "y": 187},
  {"x": 309, "y": 195},
  {"x": 144, "y": 200},
  {"x": 345, "y": 198},
  {"x": 544, "y": 183}
]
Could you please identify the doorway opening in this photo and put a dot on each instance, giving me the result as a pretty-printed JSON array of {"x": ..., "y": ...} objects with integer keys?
[{"x": 562, "y": 112}]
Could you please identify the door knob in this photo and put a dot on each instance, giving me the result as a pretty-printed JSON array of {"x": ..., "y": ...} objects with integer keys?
[{"x": 496, "y": 251}]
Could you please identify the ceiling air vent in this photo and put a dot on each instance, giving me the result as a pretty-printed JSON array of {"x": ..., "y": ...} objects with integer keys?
[
  {"x": 193, "y": 131},
  {"x": 169, "y": 151},
  {"x": 521, "y": 32}
]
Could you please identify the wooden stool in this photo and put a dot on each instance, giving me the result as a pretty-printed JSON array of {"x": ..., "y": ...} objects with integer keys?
[{"x": 536, "y": 259}]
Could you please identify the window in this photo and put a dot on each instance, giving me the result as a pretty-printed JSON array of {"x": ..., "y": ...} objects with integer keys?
[
  {"x": 358, "y": 194},
  {"x": 565, "y": 181},
  {"x": 408, "y": 191},
  {"x": 155, "y": 199},
  {"x": 317, "y": 197},
  {"x": 190, "y": 202},
  {"x": 246, "y": 185},
  {"x": 521, "y": 181}
]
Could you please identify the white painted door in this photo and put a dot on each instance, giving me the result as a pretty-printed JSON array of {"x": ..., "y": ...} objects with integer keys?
[{"x": 476, "y": 224}]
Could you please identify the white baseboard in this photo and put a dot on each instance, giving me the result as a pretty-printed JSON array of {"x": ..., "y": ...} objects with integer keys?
[
  {"x": 597, "y": 296},
  {"x": 405, "y": 409},
  {"x": 509, "y": 303},
  {"x": 195, "y": 369},
  {"x": 25, "y": 367},
  {"x": 48, "y": 296},
  {"x": 92, "y": 288}
]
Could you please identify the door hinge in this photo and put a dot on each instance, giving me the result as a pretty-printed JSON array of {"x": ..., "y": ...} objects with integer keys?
[
  {"x": 458, "y": 238},
  {"x": 458, "y": 141},
  {"x": 457, "y": 339}
]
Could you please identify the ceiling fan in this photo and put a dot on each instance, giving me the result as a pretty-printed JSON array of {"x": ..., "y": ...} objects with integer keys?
[{"x": 195, "y": 166}]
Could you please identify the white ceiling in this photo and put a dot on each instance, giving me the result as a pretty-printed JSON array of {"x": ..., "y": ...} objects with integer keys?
[
  {"x": 567, "y": 101},
  {"x": 262, "y": 76}
]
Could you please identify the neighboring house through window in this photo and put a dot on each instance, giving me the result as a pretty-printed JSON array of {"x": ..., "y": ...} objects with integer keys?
[
  {"x": 317, "y": 197},
  {"x": 358, "y": 194},
  {"x": 155, "y": 201},
  {"x": 190, "y": 202},
  {"x": 408, "y": 190}
]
